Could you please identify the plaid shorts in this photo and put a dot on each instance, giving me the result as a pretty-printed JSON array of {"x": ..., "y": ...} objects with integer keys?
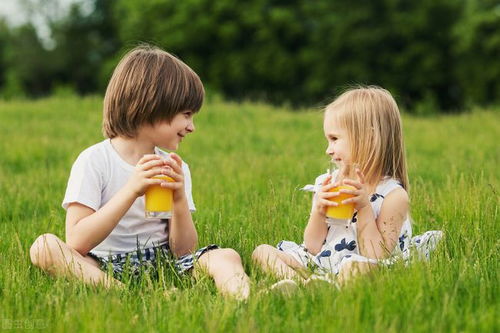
[{"x": 149, "y": 260}]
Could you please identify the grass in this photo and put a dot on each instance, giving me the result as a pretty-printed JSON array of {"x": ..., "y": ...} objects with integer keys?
[{"x": 248, "y": 162}]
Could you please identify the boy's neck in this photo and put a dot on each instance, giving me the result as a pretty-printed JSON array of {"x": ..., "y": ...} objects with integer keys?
[{"x": 131, "y": 150}]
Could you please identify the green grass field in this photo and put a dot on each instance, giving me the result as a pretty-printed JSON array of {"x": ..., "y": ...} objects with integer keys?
[{"x": 248, "y": 162}]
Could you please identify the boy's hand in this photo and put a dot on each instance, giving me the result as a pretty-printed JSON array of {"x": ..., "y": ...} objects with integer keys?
[
  {"x": 149, "y": 166},
  {"x": 360, "y": 192},
  {"x": 322, "y": 203},
  {"x": 174, "y": 171}
]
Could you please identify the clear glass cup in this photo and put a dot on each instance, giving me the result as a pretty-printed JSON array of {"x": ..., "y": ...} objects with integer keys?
[
  {"x": 339, "y": 173},
  {"x": 159, "y": 200}
]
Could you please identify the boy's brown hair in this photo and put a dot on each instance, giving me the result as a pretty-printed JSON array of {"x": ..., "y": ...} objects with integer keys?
[{"x": 148, "y": 85}]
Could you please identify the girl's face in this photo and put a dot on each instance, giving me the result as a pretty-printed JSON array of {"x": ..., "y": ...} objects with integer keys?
[{"x": 339, "y": 147}]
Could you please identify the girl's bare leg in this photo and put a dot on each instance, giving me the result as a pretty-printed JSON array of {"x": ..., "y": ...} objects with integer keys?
[
  {"x": 351, "y": 269},
  {"x": 277, "y": 262},
  {"x": 225, "y": 267},
  {"x": 55, "y": 257}
]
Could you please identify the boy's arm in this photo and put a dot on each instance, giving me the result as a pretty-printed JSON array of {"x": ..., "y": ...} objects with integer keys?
[
  {"x": 182, "y": 234},
  {"x": 86, "y": 228}
]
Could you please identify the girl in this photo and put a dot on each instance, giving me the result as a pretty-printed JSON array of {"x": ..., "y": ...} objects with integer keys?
[{"x": 362, "y": 127}]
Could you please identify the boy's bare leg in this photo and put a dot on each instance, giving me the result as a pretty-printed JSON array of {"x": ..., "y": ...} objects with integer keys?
[
  {"x": 55, "y": 257},
  {"x": 274, "y": 261},
  {"x": 225, "y": 267}
]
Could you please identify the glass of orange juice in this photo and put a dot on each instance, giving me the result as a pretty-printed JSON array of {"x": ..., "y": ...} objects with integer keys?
[
  {"x": 159, "y": 200},
  {"x": 342, "y": 211}
]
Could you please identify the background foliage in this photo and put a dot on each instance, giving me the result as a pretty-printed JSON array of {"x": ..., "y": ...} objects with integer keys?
[{"x": 433, "y": 54}]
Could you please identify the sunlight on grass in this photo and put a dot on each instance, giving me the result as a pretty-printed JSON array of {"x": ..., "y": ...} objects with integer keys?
[{"x": 248, "y": 162}]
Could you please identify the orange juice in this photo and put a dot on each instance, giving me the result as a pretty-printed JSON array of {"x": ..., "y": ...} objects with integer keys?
[
  {"x": 343, "y": 212},
  {"x": 159, "y": 200}
]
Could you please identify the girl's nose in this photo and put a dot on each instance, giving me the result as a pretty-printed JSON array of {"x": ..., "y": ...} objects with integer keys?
[
  {"x": 329, "y": 150},
  {"x": 190, "y": 128}
]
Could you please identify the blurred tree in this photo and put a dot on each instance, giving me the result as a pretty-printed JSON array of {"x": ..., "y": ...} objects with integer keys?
[
  {"x": 4, "y": 37},
  {"x": 432, "y": 54},
  {"x": 28, "y": 64},
  {"x": 78, "y": 46},
  {"x": 401, "y": 45},
  {"x": 242, "y": 48},
  {"x": 300, "y": 51},
  {"x": 83, "y": 43},
  {"x": 478, "y": 51}
]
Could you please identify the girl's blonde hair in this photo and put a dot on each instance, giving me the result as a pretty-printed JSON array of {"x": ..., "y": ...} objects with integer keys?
[{"x": 372, "y": 120}]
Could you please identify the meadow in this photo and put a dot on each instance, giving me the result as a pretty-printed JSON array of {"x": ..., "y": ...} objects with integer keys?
[{"x": 248, "y": 162}]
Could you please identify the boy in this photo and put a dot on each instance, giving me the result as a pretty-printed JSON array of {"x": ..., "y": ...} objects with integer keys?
[{"x": 150, "y": 102}]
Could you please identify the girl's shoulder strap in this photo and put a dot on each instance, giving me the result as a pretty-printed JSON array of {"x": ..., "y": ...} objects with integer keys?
[{"x": 387, "y": 185}]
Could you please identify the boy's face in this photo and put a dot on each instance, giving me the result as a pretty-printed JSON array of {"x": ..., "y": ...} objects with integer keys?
[
  {"x": 169, "y": 136},
  {"x": 338, "y": 142}
]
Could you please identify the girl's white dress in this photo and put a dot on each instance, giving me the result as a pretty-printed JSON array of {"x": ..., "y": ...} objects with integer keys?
[{"x": 341, "y": 246}]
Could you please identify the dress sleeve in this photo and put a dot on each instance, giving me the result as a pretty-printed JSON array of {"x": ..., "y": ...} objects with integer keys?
[{"x": 316, "y": 187}]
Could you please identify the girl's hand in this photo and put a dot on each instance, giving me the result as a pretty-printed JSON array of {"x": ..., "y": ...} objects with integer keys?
[
  {"x": 149, "y": 166},
  {"x": 175, "y": 172},
  {"x": 360, "y": 193},
  {"x": 322, "y": 203}
]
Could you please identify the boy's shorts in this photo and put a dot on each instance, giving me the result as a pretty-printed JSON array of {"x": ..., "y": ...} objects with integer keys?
[{"x": 148, "y": 259}]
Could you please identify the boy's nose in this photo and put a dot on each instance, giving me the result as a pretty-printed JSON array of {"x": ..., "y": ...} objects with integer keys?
[{"x": 190, "y": 128}]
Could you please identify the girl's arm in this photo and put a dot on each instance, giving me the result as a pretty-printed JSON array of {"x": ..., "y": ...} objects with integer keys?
[
  {"x": 86, "y": 228},
  {"x": 182, "y": 234},
  {"x": 315, "y": 232},
  {"x": 317, "y": 229},
  {"x": 378, "y": 238}
]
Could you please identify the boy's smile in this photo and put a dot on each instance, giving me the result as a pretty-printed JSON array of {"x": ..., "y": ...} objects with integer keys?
[{"x": 169, "y": 135}]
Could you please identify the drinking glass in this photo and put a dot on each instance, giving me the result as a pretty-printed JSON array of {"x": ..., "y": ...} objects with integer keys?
[{"x": 159, "y": 200}]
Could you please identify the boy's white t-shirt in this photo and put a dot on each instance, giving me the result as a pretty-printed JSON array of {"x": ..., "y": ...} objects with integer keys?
[{"x": 96, "y": 176}]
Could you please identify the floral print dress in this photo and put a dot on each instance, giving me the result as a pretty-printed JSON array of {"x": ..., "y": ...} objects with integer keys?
[{"x": 341, "y": 243}]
